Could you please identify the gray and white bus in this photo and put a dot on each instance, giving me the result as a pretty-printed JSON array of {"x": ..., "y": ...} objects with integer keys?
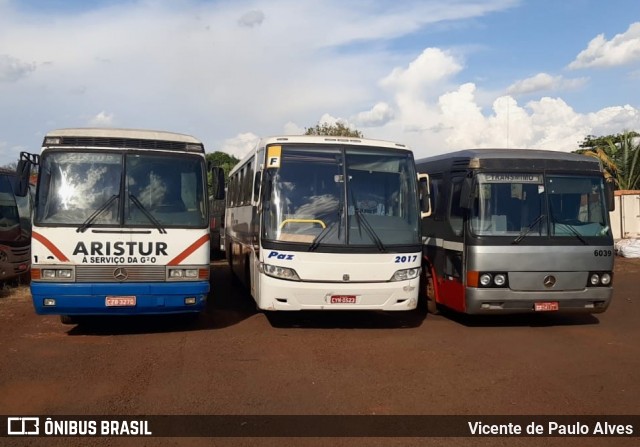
[
  {"x": 317, "y": 223},
  {"x": 517, "y": 231}
]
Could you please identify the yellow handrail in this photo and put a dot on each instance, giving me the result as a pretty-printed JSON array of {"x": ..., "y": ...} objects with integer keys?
[{"x": 318, "y": 221}]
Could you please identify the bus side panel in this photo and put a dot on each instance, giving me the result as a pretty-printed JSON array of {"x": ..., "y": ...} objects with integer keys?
[{"x": 452, "y": 294}]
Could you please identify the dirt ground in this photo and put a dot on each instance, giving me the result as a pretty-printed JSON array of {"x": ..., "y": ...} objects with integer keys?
[{"x": 236, "y": 361}]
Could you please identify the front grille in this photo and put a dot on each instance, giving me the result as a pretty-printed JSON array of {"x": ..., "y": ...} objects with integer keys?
[{"x": 105, "y": 273}]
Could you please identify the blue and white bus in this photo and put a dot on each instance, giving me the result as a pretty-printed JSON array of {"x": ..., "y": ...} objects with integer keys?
[
  {"x": 121, "y": 224},
  {"x": 316, "y": 223}
]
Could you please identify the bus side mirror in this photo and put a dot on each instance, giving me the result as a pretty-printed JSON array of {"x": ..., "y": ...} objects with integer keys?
[
  {"x": 425, "y": 195},
  {"x": 465, "y": 193},
  {"x": 610, "y": 196},
  {"x": 217, "y": 174},
  {"x": 23, "y": 172}
]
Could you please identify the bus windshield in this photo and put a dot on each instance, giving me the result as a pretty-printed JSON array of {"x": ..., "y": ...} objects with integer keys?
[
  {"x": 534, "y": 205},
  {"x": 114, "y": 189},
  {"x": 338, "y": 197}
]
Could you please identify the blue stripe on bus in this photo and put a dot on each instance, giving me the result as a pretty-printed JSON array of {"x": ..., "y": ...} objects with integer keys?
[{"x": 89, "y": 299}]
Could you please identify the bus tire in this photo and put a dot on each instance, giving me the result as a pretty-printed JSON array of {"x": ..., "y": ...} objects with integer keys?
[
  {"x": 68, "y": 319},
  {"x": 432, "y": 305}
]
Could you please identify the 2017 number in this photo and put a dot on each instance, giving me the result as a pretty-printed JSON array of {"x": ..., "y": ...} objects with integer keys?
[{"x": 403, "y": 259}]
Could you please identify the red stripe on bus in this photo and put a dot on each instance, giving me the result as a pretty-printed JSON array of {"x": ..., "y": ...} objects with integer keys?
[
  {"x": 190, "y": 249},
  {"x": 49, "y": 245}
]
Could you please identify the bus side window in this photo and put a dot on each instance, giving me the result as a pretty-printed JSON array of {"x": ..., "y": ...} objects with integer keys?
[
  {"x": 436, "y": 196},
  {"x": 456, "y": 213}
]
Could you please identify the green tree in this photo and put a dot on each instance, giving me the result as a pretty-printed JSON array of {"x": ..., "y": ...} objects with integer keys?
[
  {"x": 225, "y": 161},
  {"x": 619, "y": 155},
  {"x": 333, "y": 130}
]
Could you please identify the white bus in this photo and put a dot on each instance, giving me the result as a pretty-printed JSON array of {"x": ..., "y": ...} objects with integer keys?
[
  {"x": 318, "y": 223},
  {"x": 121, "y": 224}
]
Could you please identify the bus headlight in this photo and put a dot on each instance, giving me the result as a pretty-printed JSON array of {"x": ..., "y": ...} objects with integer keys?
[
  {"x": 183, "y": 274},
  {"x": 599, "y": 279},
  {"x": 500, "y": 279},
  {"x": 405, "y": 274},
  {"x": 280, "y": 272},
  {"x": 55, "y": 274},
  {"x": 488, "y": 279},
  {"x": 485, "y": 279}
]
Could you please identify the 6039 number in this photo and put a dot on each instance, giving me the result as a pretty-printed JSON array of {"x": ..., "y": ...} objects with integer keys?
[{"x": 600, "y": 253}]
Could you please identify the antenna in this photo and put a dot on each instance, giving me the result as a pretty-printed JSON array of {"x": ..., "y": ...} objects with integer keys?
[{"x": 508, "y": 123}]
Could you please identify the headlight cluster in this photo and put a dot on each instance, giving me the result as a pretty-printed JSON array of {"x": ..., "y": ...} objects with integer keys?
[
  {"x": 54, "y": 274},
  {"x": 599, "y": 279},
  {"x": 488, "y": 279},
  {"x": 183, "y": 274},
  {"x": 405, "y": 274},
  {"x": 280, "y": 272}
]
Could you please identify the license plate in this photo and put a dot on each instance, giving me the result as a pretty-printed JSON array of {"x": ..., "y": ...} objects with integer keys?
[
  {"x": 120, "y": 301},
  {"x": 343, "y": 299},
  {"x": 546, "y": 306}
]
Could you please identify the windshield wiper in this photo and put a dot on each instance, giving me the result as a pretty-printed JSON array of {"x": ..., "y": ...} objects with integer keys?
[
  {"x": 569, "y": 227},
  {"x": 87, "y": 223},
  {"x": 362, "y": 221},
  {"x": 325, "y": 231},
  {"x": 528, "y": 229},
  {"x": 573, "y": 231},
  {"x": 153, "y": 220}
]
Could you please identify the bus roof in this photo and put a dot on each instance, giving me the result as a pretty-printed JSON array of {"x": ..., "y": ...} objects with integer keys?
[
  {"x": 317, "y": 139},
  {"x": 511, "y": 158},
  {"x": 121, "y": 138},
  {"x": 322, "y": 139}
]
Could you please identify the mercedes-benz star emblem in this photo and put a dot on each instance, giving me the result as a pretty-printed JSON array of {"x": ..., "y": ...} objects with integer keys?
[
  {"x": 346, "y": 277},
  {"x": 120, "y": 274},
  {"x": 549, "y": 281}
]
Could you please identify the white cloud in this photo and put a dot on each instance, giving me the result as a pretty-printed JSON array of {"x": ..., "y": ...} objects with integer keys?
[
  {"x": 291, "y": 128},
  {"x": 544, "y": 82},
  {"x": 238, "y": 146},
  {"x": 432, "y": 66},
  {"x": 196, "y": 68},
  {"x": 13, "y": 69},
  {"x": 379, "y": 115},
  {"x": 102, "y": 119},
  {"x": 251, "y": 19},
  {"x": 622, "y": 49}
]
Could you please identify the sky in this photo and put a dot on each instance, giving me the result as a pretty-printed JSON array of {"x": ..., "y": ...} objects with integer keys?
[{"x": 435, "y": 75}]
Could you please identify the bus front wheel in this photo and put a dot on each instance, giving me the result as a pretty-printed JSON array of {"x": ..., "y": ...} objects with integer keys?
[
  {"x": 68, "y": 319},
  {"x": 432, "y": 305}
]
